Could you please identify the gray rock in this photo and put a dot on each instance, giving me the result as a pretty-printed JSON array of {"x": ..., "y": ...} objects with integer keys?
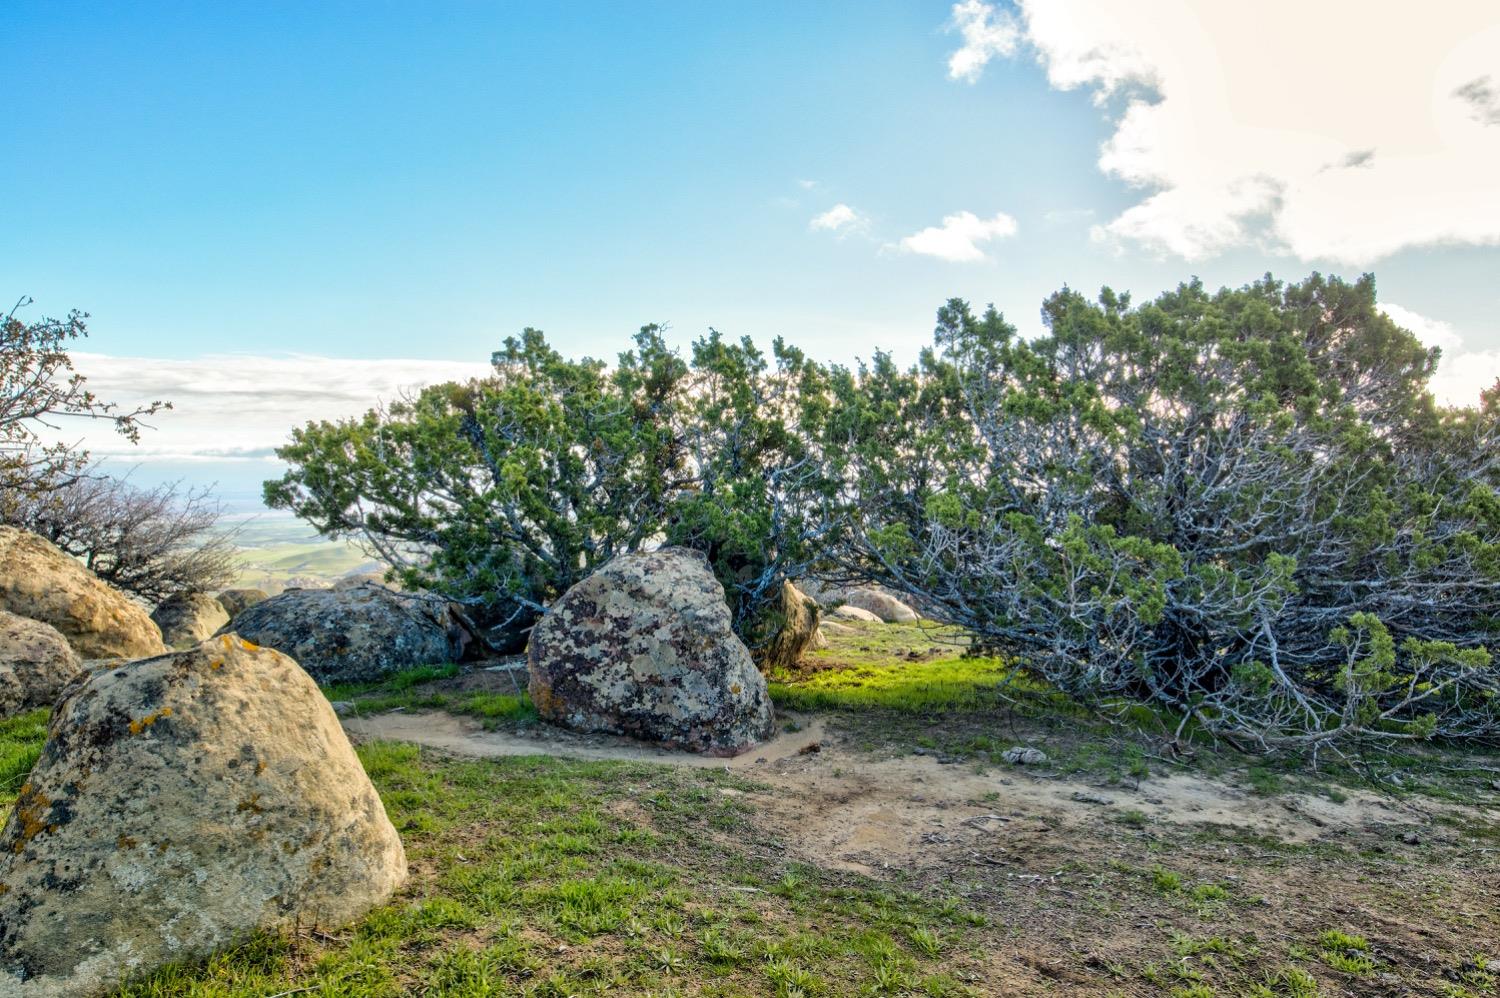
[
  {"x": 36, "y": 662},
  {"x": 181, "y": 804},
  {"x": 644, "y": 647},
  {"x": 38, "y": 580},
  {"x": 352, "y": 635},
  {"x": 188, "y": 618},
  {"x": 1024, "y": 755}
]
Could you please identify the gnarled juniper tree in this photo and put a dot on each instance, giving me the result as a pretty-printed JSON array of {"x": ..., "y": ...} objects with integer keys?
[{"x": 1228, "y": 505}]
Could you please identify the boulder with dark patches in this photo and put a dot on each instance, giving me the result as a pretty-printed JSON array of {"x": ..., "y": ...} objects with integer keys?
[
  {"x": 39, "y": 580},
  {"x": 36, "y": 662},
  {"x": 643, "y": 647},
  {"x": 181, "y": 804},
  {"x": 187, "y": 618},
  {"x": 353, "y": 635}
]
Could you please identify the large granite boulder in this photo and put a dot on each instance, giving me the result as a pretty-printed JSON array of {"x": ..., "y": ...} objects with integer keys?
[
  {"x": 794, "y": 619},
  {"x": 36, "y": 662},
  {"x": 40, "y": 581},
  {"x": 883, "y": 605},
  {"x": 235, "y": 600},
  {"x": 187, "y": 618},
  {"x": 353, "y": 635},
  {"x": 643, "y": 647},
  {"x": 180, "y": 804}
]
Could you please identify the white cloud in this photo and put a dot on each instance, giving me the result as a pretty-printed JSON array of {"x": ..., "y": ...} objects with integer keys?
[
  {"x": 1461, "y": 374},
  {"x": 1336, "y": 130},
  {"x": 840, "y": 218},
  {"x": 239, "y": 407},
  {"x": 986, "y": 32},
  {"x": 958, "y": 238},
  {"x": 807, "y": 185}
]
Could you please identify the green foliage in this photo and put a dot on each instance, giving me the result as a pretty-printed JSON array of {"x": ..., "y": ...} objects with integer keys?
[
  {"x": 1242, "y": 506},
  {"x": 503, "y": 492}
]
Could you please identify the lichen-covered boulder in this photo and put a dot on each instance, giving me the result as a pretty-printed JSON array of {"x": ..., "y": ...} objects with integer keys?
[
  {"x": 187, "y": 618},
  {"x": 794, "y": 620},
  {"x": 353, "y": 635},
  {"x": 883, "y": 605},
  {"x": 36, "y": 662},
  {"x": 235, "y": 600},
  {"x": 180, "y": 804},
  {"x": 40, "y": 581},
  {"x": 643, "y": 647}
]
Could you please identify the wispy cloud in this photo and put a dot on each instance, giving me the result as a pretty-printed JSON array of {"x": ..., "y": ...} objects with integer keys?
[
  {"x": 987, "y": 32},
  {"x": 239, "y": 407},
  {"x": 1226, "y": 154},
  {"x": 1462, "y": 373},
  {"x": 840, "y": 219},
  {"x": 959, "y": 238}
]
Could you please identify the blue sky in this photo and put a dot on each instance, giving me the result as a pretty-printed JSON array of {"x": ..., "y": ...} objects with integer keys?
[{"x": 418, "y": 180}]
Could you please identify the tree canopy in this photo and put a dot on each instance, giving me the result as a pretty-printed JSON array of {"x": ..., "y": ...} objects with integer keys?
[{"x": 1240, "y": 507}]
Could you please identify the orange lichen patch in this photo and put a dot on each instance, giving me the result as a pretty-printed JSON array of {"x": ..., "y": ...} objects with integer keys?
[
  {"x": 547, "y": 703},
  {"x": 251, "y": 804},
  {"x": 249, "y": 645},
  {"x": 4, "y": 889},
  {"x": 126, "y": 842},
  {"x": 31, "y": 815},
  {"x": 260, "y": 766},
  {"x": 136, "y": 727},
  {"x": 735, "y": 688},
  {"x": 217, "y": 663}
]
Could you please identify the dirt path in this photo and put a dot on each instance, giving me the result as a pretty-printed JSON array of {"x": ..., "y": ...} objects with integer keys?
[
  {"x": 462, "y": 736},
  {"x": 845, "y": 809}
]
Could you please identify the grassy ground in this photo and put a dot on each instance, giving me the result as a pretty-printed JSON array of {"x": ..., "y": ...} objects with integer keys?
[
  {"x": 21, "y": 740},
  {"x": 549, "y": 877},
  {"x": 441, "y": 687},
  {"x": 553, "y": 878}
]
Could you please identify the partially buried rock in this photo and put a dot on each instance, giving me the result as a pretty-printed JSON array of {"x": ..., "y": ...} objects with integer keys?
[
  {"x": 643, "y": 647},
  {"x": 235, "y": 600},
  {"x": 353, "y": 635},
  {"x": 846, "y": 612},
  {"x": 40, "y": 581},
  {"x": 180, "y": 804},
  {"x": 36, "y": 662},
  {"x": 187, "y": 618}
]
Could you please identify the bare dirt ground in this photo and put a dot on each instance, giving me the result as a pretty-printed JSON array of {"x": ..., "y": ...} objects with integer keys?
[{"x": 1151, "y": 886}]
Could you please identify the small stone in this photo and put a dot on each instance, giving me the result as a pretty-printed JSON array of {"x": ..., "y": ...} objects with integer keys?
[
  {"x": 1411, "y": 838},
  {"x": 1024, "y": 755},
  {"x": 343, "y": 708},
  {"x": 1087, "y": 798}
]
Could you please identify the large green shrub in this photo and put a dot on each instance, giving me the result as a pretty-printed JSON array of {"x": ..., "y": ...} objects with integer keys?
[{"x": 1213, "y": 503}]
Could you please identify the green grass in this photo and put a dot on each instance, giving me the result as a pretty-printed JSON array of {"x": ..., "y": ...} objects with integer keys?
[
  {"x": 546, "y": 877},
  {"x": 21, "y": 740},
  {"x": 904, "y": 667},
  {"x": 401, "y": 690}
]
